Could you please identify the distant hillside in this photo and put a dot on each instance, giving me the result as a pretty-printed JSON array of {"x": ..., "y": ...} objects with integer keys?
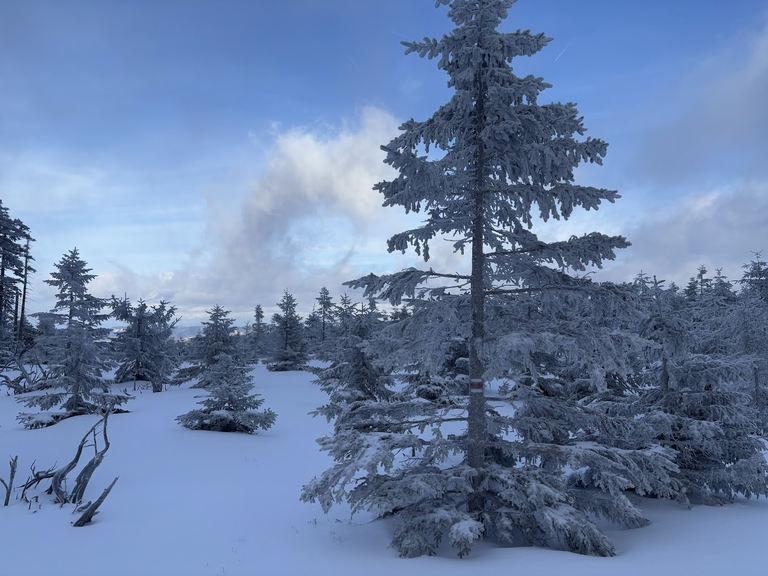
[{"x": 183, "y": 332}]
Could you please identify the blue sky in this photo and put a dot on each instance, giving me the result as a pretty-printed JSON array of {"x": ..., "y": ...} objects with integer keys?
[{"x": 221, "y": 151}]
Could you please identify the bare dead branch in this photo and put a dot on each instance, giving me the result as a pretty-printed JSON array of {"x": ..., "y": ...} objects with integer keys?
[
  {"x": 36, "y": 478},
  {"x": 433, "y": 274},
  {"x": 91, "y": 510},
  {"x": 9, "y": 486},
  {"x": 61, "y": 474},
  {"x": 81, "y": 482}
]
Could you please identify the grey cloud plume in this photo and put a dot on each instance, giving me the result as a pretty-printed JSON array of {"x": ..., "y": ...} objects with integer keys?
[
  {"x": 720, "y": 229},
  {"x": 311, "y": 219}
]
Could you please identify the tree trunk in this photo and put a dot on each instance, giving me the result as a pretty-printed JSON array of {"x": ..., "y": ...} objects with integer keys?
[
  {"x": 24, "y": 280},
  {"x": 476, "y": 418},
  {"x": 2, "y": 291},
  {"x": 665, "y": 382},
  {"x": 322, "y": 331},
  {"x": 16, "y": 298}
]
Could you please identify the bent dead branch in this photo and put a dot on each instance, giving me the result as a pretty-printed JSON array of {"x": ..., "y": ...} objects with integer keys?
[{"x": 92, "y": 510}]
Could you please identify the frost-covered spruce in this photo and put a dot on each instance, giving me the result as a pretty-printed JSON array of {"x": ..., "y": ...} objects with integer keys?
[
  {"x": 428, "y": 347},
  {"x": 573, "y": 365},
  {"x": 145, "y": 348},
  {"x": 696, "y": 398},
  {"x": 229, "y": 407},
  {"x": 452, "y": 467},
  {"x": 543, "y": 443},
  {"x": 259, "y": 334},
  {"x": 75, "y": 350},
  {"x": 290, "y": 346},
  {"x": 750, "y": 324},
  {"x": 313, "y": 328},
  {"x": 217, "y": 337},
  {"x": 352, "y": 377},
  {"x": 325, "y": 308}
]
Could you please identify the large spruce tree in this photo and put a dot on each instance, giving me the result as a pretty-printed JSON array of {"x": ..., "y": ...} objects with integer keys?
[
  {"x": 504, "y": 159},
  {"x": 483, "y": 169}
]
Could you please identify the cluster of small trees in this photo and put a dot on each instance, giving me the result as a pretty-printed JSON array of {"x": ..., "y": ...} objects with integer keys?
[
  {"x": 290, "y": 340},
  {"x": 600, "y": 395},
  {"x": 73, "y": 353},
  {"x": 69, "y": 352},
  {"x": 145, "y": 346}
]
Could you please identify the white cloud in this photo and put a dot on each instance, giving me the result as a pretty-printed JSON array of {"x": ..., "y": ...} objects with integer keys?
[
  {"x": 719, "y": 228},
  {"x": 696, "y": 189},
  {"x": 310, "y": 219}
]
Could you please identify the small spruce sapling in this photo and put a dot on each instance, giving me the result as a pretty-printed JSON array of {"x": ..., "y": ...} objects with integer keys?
[{"x": 229, "y": 406}]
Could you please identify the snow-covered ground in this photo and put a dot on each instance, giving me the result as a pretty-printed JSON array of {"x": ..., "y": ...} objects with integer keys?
[{"x": 205, "y": 503}]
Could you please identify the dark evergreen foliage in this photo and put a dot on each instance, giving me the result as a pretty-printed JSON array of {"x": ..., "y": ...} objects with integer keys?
[
  {"x": 146, "y": 349},
  {"x": 217, "y": 337},
  {"x": 290, "y": 346}
]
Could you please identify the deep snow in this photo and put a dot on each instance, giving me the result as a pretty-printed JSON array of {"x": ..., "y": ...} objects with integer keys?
[{"x": 194, "y": 503}]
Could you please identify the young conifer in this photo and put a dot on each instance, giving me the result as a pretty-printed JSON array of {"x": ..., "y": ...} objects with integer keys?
[
  {"x": 76, "y": 350},
  {"x": 229, "y": 406},
  {"x": 290, "y": 346}
]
